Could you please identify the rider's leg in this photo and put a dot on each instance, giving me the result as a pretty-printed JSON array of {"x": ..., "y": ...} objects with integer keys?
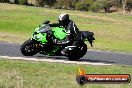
[{"x": 68, "y": 49}]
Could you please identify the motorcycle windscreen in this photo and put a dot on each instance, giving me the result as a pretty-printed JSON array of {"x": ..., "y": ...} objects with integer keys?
[{"x": 59, "y": 33}]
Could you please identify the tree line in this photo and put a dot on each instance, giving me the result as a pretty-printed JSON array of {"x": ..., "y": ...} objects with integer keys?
[{"x": 83, "y": 5}]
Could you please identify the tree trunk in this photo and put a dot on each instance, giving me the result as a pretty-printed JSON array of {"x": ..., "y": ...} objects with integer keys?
[{"x": 124, "y": 6}]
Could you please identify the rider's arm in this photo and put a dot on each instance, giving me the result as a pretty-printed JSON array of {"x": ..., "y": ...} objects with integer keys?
[
  {"x": 54, "y": 25},
  {"x": 72, "y": 32}
]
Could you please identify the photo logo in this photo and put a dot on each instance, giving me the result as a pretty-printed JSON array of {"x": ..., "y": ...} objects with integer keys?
[{"x": 83, "y": 78}]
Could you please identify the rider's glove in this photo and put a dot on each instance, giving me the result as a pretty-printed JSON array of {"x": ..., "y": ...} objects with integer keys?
[{"x": 46, "y": 22}]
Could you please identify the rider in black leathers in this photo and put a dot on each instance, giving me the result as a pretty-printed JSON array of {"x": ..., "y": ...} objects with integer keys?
[{"x": 72, "y": 33}]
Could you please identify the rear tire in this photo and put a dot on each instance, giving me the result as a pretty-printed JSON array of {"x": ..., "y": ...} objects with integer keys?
[
  {"x": 78, "y": 53},
  {"x": 28, "y": 48}
]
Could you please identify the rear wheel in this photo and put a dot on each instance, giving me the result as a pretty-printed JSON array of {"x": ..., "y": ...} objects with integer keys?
[
  {"x": 78, "y": 53},
  {"x": 28, "y": 48}
]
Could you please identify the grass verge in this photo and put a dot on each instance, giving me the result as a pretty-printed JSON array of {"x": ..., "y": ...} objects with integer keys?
[{"x": 29, "y": 74}]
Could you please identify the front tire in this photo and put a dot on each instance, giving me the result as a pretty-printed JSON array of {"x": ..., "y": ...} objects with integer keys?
[{"x": 28, "y": 48}]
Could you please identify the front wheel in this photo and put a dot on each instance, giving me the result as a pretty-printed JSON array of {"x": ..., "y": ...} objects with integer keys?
[{"x": 28, "y": 48}]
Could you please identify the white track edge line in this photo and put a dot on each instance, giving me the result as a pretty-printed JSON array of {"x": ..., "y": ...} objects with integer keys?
[{"x": 54, "y": 61}]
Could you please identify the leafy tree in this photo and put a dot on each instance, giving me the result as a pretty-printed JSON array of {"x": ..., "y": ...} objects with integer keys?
[
  {"x": 105, "y": 4},
  {"x": 96, "y": 6},
  {"x": 42, "y": 3},
  {"x": 4, "y": 0},
  {"x": 22, "y": 2},
  {"x": 65, "y": 4},
  {"x": 84, "y": 5},
  {"x": 59, "y": 4},
  {"x": 49, "y": 3},
  {"x": 129, "y": 5}
]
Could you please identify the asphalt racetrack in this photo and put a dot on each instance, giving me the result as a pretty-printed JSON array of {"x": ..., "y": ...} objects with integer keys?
[{"x": 92, "y": 56}]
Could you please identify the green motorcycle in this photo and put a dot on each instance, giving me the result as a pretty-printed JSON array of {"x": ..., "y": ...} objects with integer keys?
[{"x": 42, "y": 42}]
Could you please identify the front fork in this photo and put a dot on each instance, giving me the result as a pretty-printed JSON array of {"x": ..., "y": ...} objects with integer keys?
[{"x": 38, "y": 46}]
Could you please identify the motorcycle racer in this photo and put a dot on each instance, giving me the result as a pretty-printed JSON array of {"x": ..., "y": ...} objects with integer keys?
[{"x": 71, "y": 30}]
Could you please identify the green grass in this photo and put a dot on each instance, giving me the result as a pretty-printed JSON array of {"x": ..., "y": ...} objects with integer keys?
[
  {"x": 112, "y": 31},
  {"x": 29, "y": 74}
]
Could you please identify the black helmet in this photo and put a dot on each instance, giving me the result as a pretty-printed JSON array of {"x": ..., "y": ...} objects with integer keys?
[{"x": 64, "y": 19}]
